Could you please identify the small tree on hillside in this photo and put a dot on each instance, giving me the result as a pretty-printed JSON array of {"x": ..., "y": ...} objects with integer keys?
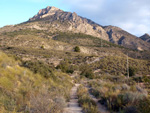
[
  {"x": 77, "y": 49},
  {"x": 132, "y": 71},
  {"x": 42, "y": 47}
]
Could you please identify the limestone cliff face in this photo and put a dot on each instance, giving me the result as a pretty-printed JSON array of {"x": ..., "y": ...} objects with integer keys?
[
  {"x": 121, "y": 37},
  {"x": 45, "y": 12},
  {"x": 146, "y": 37},
  {"x": 67, "y": 21}
]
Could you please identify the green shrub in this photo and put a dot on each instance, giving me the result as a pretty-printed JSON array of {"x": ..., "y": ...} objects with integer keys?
[
  {"x": 77, "y": 49},
  {"x": 87, "y": 72},
  {"x": 65, "y": 67},
  {"x": 95, "y": 92},
  {"x": 146, "y": 79},
  {"x": 88, "y": 105},
  {"x": 132, "y": 71},
  {"x": 116, "y": 65},
  {"x": 42, "y": 47},
  {"x": 39, "y": 67},
  {"x": 131, "y": 109},
  {"x": 119, "y": 97},
  {"x": 144, "y": 105}
]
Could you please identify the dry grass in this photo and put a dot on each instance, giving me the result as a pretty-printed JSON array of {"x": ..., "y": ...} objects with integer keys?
[
  {"x": 88, "y": 105},
  {"x": 22, "y": 90}
]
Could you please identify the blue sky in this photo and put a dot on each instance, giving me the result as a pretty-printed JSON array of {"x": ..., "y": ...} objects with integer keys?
[
  {"x": 131, "y": 15},
  {"x": 17, "y": 11}
]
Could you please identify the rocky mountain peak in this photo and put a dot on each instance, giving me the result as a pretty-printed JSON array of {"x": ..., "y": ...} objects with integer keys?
[
  {"x": 74, "y": 14},
  {"x": 68, "y": 21},
  {"x": 146, "y": 37},
  {"x": 48, "y": 11},
  {"x": 146, "y": 34}
]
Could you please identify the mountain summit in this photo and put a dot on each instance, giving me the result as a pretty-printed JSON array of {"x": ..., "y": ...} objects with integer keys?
[
  {"x": 146, "y": 37},
  {"x": 48, "y": 11},
  {"x": 67, "y": 21}
]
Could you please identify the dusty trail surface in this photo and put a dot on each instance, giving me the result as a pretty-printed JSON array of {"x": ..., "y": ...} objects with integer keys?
[
  {"x": 73, "y": 105},
  {"x": 101, "y": 108}
]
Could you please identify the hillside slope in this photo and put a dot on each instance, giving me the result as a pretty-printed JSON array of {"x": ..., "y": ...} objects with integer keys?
[
  {"x": 55, "y": 49},
  {"x": 23, "y": 90}
]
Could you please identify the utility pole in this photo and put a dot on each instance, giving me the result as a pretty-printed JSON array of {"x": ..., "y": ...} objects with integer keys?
[
  {"x": 101, "y": 42},
  {"x": 127, "y": 66}
]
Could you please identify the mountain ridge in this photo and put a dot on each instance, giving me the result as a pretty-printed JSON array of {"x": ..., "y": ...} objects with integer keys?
[
  {"x": 52, "y": 19},
  {"x": 110, "y": 33}
]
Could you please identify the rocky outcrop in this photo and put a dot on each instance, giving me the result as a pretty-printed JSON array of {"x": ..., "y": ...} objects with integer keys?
[
  {"x": 45, "y": 12},
  {"x": 146, "y": 37}
]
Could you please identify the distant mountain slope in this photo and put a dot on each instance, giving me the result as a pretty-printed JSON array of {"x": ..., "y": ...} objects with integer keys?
[
  {"x": 146, "y": 37},
  {"x": 54, "y": 21},
  {"x": 121, "y": 37}
]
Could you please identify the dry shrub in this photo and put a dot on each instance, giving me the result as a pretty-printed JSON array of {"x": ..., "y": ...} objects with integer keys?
[{"x": 46, "y": 102}]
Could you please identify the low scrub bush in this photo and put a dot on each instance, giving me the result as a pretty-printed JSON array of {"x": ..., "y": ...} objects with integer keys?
[
  {"x": 144, "y": 105},
  {"x": 87, "y": 72},
  {"x": 39, "y": 67},
  {"x": 23, "y": 90},
  {"x": 77, "y": 49},
  {"x": 65, "y": 67},
  {"x": 88, "y": 105},
  {"x": 118, "y": 97},
  {"x": 95, "y": 92},
  {"x": 46, "y": 102},
  {"x": 117, "y": 66},
  {"x": 132, "y": 71}
]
